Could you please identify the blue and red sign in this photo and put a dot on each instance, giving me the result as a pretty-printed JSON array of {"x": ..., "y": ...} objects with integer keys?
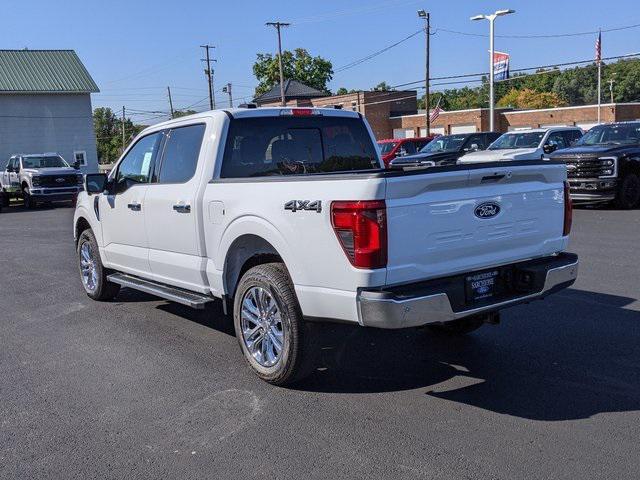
[{"x": 500, "y": 66}]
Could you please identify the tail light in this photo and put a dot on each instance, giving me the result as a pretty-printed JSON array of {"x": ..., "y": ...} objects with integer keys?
[
  {"x": 361, "y": 228},
  {"x": 568, "y": 211}
]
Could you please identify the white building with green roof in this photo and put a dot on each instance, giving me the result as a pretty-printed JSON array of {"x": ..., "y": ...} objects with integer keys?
[{"x": 45, "y": 106}]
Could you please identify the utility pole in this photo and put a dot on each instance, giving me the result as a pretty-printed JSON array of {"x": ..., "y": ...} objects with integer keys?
[
  {"x": 427, "y": 96},
  {"x": 209, "y": 73},
  {"x": 611, "y": 82},
  {"x": 124, "y": 140},
  {"x": 492, "y": 18},
  {"x": 599, "y": 62},
  {"x": 278, "y": 26},
  {"x": 170, "y": 102},
  {"x": 227, "y": 89}
]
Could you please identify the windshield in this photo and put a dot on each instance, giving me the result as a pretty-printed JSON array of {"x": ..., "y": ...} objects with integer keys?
[
  {"x": 450, "y": 143},
  {"x": 386, "y": 147},
  {"x": 612, "y": 135},
  {"x": 517, "y": 140},
  {"x": 48, "y": 161}
]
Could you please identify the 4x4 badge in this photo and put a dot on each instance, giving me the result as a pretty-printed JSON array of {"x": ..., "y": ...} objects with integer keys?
[{"x": 312, "y": 205}]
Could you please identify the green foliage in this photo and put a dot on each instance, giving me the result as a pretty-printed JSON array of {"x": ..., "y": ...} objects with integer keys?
[
  {"x": 530, "y": 99},
  {"x": 298, "y": 65},
  {"x": 183, "y": 113},
  {"x": 382, "y": 87},
  {"x": 108, "y": 130},
  {"x": 344, "y": 91},
  {"x": 575, "y": 86}
]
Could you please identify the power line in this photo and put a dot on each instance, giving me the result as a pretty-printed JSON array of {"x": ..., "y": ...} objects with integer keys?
[
  {"x": 551, "y": 35},
  {"x": 375, "y": 54}
]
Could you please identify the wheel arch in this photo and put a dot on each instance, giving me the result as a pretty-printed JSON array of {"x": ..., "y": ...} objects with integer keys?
[{"x": 245, "y": 252}]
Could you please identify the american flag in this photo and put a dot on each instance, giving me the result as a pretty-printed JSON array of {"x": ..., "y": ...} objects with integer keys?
[
  {"x": 435, "y": 113},
  {"x": 599, "y": 48}
]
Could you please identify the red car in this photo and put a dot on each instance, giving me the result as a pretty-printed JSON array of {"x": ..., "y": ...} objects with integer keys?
[{"x": 399, "y": 147}]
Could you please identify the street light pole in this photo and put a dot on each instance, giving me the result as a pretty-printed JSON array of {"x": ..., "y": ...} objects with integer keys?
[
  {"x": 492, "y": 18},
  {"x": 427, "y": 97}
]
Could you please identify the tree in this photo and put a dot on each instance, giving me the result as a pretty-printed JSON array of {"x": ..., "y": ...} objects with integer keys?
[
  {"x": 530, "y": 99},
  {"x": 183, "y": 113},
  {"x": 108, "y": 131},
  {"x": 344, "y": 91},
  {"x": 316, "y": 72},
  {"x": 382, "y": 87}
]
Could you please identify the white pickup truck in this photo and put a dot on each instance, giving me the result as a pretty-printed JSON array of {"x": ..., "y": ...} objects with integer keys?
[{"x": 289, "y": 217}]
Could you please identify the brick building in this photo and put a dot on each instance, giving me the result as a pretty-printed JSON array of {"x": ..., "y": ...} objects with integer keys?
[{"x": 394, "y": 114}]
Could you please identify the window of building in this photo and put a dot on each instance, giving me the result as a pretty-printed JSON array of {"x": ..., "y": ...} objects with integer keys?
[
  {"x": 181, "y": 152},
  {"x": 80, "y": 156}
]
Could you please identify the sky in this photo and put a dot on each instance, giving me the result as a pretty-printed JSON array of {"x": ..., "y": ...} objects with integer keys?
[{"x": 134, "y": 49}]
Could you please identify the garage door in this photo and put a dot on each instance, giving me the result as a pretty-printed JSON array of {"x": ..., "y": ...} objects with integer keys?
[
  {"x": 463, "y": 129},
  {"x": 434, "y": 131},
  {"x": 403, "y": 133}
]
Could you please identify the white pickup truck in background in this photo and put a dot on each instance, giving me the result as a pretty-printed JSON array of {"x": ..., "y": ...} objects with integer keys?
[{"x": 288, "y": 216}]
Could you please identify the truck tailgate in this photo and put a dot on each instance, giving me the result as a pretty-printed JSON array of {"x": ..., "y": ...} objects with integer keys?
[{"x": 445, "y": 222}]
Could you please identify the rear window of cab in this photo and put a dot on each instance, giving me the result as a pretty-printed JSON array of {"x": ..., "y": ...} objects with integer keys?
[{"x": 280, "y": 146}]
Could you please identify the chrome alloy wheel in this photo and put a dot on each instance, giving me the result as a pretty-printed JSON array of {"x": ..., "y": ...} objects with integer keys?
[
  {"x": 262, "y": 327},
  {"x": 88, "y": 267}
]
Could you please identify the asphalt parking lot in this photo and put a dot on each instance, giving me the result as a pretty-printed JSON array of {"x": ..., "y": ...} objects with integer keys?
[{"x": 140, "y": 388}]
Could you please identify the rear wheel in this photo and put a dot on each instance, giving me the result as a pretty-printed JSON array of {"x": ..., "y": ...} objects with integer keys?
[
  {"x": 92, "y": 273},
  {"x": 273, "y": 337},
  {"x": 461, "y": 326},
  {"x": 5, "y": 199},
  {"x": 628, "y": 195}
]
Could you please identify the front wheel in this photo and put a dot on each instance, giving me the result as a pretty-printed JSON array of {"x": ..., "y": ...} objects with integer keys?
[
  {"x": 269, "y": 325},
  {"x": 28, "y": 200},
  {"x": 92, "y": 273},
  {"x": 628, "y": 195}
]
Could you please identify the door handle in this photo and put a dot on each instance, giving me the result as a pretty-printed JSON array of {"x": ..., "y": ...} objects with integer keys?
[
  {"x": 182, "y": 208},
  {"x": 136, "y": 207}
]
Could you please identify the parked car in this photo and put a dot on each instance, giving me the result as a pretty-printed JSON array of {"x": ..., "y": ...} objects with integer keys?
[
  {"x": 44, "y": 177},
  {"x": 604, "y": 165},
  {"x": 531, "y": 144},
  {"x": 446, "y": 150},
  {"x": 399, "y": 147},
  {"x": 288, "y": 216}
]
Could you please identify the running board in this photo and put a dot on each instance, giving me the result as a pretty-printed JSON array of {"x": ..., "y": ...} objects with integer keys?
[{"x": 174, "y": 294}]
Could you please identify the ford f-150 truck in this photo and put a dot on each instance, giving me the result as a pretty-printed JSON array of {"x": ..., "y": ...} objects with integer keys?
[
  {"x": 604, "y": 165},
  {"x": 45, "y": 177},
  {"x": 288, "y": 216}
]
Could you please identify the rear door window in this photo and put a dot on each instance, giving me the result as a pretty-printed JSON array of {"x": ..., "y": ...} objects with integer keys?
[
  {"x": 278, "y": 146},
  {"x": 181, "y": 152}
]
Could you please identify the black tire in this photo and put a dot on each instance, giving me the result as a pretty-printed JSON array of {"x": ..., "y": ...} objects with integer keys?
[
  {"x": 103, "y": 290},
  {"x": 628, "y": 195},
  {"x": 27, "y": 200},
  {"x": 296, "y": 359},
  {"x": 462, "y": 326}
]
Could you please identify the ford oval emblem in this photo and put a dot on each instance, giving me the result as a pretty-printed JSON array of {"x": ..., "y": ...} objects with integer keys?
[{"x": 487, "y": 210}]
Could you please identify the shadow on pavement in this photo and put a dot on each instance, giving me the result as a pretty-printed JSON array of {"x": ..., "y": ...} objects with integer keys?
[{"x": 573, "y": 356}]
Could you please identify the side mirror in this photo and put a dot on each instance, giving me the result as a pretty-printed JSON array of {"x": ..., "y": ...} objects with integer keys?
[
  {"x": 474, "y": 147},
  {"x": 549, "y": 148},
  {"x": 95, "y": 183},
  {"x": 10, "y": 168},
  {"x": 402, "y": 152},
  {"x": 76, "y": 165}
]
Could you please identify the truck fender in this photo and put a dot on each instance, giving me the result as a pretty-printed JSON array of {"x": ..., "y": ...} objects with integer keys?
[{"x": 247, "y": 237}]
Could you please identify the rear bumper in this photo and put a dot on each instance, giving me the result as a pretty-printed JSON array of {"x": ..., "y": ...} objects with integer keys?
[{"x": 441, "y": 301}]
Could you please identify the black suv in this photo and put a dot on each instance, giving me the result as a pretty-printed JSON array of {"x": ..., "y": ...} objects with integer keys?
[
  {"x": 446, "y": 150},
  {"x": 604, "y": 165}
]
